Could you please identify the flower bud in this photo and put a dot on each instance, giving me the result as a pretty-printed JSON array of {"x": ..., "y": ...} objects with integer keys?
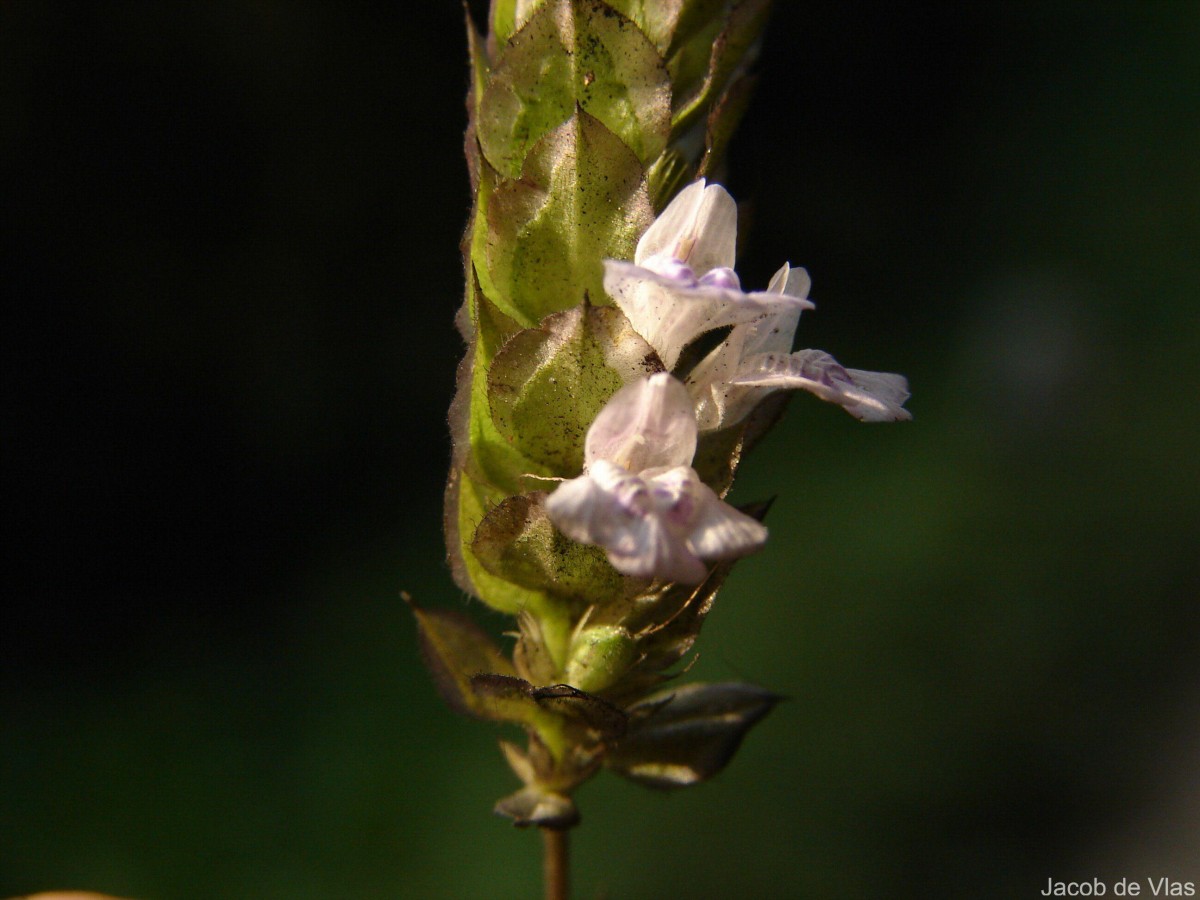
[{"x": 599, "y": 657}]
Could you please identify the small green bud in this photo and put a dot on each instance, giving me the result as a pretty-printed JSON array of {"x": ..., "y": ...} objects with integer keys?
[{"x": 600, "y": 655}]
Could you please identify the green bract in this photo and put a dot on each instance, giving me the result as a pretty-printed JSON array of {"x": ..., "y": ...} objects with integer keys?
[{"x": 548, "y": 383}]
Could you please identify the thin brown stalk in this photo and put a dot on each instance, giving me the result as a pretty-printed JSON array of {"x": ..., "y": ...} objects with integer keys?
[{"x": 555, "y": 863}]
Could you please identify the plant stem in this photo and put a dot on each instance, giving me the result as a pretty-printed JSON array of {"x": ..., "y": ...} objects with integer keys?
[{"x": 555, "y": 863}]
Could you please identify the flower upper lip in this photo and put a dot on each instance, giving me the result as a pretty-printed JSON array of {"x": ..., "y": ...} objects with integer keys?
[
  {"x": 681, "y": 282},
  {"x": 698, "y": 227}
]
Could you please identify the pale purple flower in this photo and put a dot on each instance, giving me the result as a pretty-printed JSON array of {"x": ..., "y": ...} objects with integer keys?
[
  {"x": 681, "y": 284},
  {"x": 755, "y": 360},
  {"x": 640, "y": 499}
]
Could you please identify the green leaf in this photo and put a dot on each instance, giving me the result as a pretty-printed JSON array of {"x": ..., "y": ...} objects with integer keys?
[
  {"x": 516, "y": 541},
  {"x": 547, "y": 384},
  {"x": 582, "y": 198},
  {"x": 574, "y": 54},
  {"x": 509, "y": 699},
  {"x": 684, "y": 736},
  {"x": 455, "y": 649}
]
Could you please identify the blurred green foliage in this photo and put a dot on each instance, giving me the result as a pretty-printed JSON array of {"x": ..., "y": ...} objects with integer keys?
[{"x": 231, "y": 262}]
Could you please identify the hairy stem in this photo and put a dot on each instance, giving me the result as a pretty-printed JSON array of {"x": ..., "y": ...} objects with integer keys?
[{"x": 555, "y": 863}]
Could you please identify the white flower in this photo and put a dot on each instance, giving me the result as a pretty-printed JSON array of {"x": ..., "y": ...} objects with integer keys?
[
  {"x": 756, "y": 360},
  {"x": 640, "y": 499},
  {"x": 681, "y": 282}
]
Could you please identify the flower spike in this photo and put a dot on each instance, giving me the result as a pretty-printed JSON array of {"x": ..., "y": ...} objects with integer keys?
[{"x": 593, "y": 440}]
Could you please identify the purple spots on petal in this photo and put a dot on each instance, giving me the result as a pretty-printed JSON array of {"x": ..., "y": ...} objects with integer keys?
[
  {"x": 670, "y": 267},
  {"x": 682, "y": 511},
  {"x": 632, "y": 496},
  {"x": 821, "y": 368},
  {"x": 722, "y": 277},
  {"x": 674, "y": 501}
]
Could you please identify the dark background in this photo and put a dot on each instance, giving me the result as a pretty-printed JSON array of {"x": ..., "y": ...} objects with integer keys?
[{"x": 229, "y": 268}]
